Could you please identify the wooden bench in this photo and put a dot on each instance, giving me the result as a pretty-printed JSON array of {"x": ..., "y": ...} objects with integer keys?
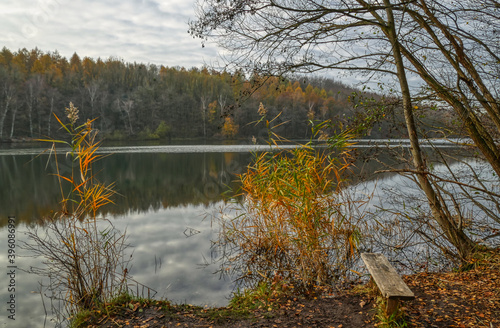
[{"x": 388, "y": 280}]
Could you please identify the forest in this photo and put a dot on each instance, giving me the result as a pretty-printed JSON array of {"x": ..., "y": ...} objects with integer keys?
[{"x": 145, "y": 101}]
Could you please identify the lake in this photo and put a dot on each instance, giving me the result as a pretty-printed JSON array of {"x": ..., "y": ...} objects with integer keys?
[{"x": 167, "y": 194}]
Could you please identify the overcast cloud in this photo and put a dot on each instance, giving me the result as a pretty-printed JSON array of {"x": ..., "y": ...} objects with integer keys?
[{"x": 147, "y": 31}]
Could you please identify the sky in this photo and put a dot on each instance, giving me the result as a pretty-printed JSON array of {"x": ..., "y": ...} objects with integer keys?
[{"x": 142, "y": 31}]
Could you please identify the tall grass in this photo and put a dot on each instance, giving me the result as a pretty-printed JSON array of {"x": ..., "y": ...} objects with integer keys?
[
  {"x": 83, "y": 255},
  {"x": 293, "y": 221}
]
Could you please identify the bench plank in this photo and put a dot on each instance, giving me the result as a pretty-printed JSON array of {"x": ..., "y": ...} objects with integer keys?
[{"x": 387, "y": 279}]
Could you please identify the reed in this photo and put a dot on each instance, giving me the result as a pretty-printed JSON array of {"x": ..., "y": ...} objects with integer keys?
[
  {"x": 292, "y": 222},
  {"x": 83, "y": 254}
]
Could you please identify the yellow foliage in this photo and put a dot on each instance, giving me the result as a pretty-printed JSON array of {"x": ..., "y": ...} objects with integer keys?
[{"x": 229, "y": 129}]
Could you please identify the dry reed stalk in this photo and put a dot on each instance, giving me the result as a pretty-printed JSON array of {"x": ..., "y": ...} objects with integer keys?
[
  {"x": 293, "y": 223},
  {"x": 83, "y": 254}
]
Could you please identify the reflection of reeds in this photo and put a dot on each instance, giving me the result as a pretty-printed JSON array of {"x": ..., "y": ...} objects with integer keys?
[
  {"x": 83, "y": 254},
  {"x": 294, "y": 222}
]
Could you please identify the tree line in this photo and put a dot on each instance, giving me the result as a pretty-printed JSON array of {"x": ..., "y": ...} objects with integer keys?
[{"x": 135, "y": 100}]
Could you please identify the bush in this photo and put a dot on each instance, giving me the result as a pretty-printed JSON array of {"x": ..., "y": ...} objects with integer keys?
[{"x": 163, "y": 130}]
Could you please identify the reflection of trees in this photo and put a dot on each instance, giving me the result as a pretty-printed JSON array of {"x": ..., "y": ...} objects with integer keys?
[
  {"x": 153, "y": 181},
  {"x": 26, "y": 188},
  {"x": 387, "y": 158},
  {"x": 148, "y": 181},
  {"x": 144, "y": 181}
]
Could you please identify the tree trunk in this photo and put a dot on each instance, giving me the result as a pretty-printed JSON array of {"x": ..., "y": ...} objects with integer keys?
[
  {"x": 39, "y": 119},
  {"x": 204, "y": 101},
  {"x": 129, "y": 123},
  {"x": 30, "y": 108},
  {"x": 2, "y": 117},
  {"x": 14, "y": 112},
  {"x": 29, "y": 103},
  {"x": 454, "y": 234},
  {"x": 482, "y": 139},
  {"x": 50, "y": 114}
]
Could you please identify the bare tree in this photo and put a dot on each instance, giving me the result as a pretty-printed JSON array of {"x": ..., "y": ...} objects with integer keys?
[
  {"x": 204, "y": 106},
  {"x": 93, "y": 91},
  {"x": 34, "y": 88},
  {"x": 52, "y": 95},
  {"x": 447, "y": 49},
  {"x": 9, "y": 93},
  {"x": 14, "y": 112},
  {"x": 126, "y": 107}
]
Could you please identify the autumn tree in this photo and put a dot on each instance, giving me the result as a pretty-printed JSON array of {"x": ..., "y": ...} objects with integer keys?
[{"x": 229, "y": 129}]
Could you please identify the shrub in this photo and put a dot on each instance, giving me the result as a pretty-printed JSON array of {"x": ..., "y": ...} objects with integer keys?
[{"x": 162, "y": 130}]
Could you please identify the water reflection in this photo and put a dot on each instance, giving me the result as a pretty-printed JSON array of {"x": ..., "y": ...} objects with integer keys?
[
  {"x": 166, "y": 258},
  {"x": 150, "y": 180},
  {"x": 162, "y": 195},
  {"x": 173, "y": 260},
  {"x": 145, "y": 182}
]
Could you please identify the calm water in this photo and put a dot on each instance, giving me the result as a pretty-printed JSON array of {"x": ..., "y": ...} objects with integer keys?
[{"x": 166, "y": 194}]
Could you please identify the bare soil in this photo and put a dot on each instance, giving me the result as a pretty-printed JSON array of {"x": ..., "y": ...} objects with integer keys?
[{"x": 344, "y": 310}]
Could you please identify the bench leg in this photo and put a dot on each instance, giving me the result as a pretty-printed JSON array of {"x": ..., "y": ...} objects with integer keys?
[{"x": 392, "y": 305}]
